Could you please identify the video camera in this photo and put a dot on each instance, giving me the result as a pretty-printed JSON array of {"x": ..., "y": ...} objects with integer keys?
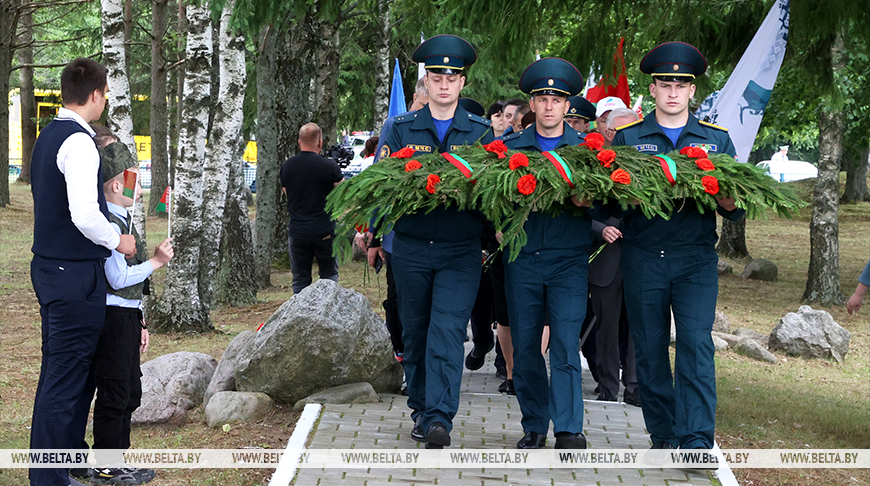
[{"x": 340, "y": 154}]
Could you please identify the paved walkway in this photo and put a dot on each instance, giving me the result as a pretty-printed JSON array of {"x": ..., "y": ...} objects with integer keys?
[{"x": 486, "y": 419}]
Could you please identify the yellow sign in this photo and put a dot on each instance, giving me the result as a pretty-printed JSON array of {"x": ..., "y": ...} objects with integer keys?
[{"x": 143, "y": 147}]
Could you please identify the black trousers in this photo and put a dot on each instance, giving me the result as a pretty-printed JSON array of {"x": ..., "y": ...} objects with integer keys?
[
  {"x": 391, "y": 308},
  {"x": 72, "y": 303},
  {"x": 119, "y": 386},
  {"x": 303, "y": 251}
]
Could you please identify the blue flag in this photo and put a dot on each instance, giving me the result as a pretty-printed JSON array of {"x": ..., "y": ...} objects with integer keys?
[{"x": 397, "y": 94}]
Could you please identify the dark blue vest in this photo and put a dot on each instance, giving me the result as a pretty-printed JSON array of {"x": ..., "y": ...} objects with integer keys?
[{"x": 54, "y": 234}]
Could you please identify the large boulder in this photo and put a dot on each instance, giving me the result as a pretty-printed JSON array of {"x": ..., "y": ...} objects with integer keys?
[
  {"x": 761, "y": 269},
  {"x": 172, "y": 384},
  {"x": 229, "y": 406},
  {"x": 810, "y": 333},
  {"x": 325, "y": 336},
  {"x": 750, "y": 347},
  {"x": 224, "y": 378},
  {"x": 352, "y": 393}
]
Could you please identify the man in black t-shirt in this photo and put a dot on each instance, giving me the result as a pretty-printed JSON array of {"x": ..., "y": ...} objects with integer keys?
[{"x": 306, "y": 179}]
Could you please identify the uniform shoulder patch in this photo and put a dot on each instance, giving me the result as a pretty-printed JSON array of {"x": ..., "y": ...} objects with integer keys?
[
  {"x": 479, "y": 119},
  {"x": 405, "y": 118},
  {"x": 512, "y": 136},
  {"x": 630, "y": 124},
  {"x": 385, "y": 152},
  {"x": 708, "y": 124}
]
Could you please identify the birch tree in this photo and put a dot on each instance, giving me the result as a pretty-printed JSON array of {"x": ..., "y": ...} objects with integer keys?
[
  {"x": 382, "y": 68},
  {"x": 28, "y": 100},
  {"x": 8, "y": 22},
  {"x": 180, "y": 307},
  {"x": 225, "y": 149},
  {"x": 119, "y": 98}
]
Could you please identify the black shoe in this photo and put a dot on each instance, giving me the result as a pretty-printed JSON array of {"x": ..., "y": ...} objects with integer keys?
[
  {"x": 475, "y": 359},
  {"x": 631, "y": 398},
  {"x": 501, "y": 372},
  {"x": 568, "y": 440},
  {"x": 417, "y": 432},
  {"x": 125, "y": 476},
  {"x": 532, "y": 440},
  {"x": 659, "y": 453},
  {"x": 605, "y": 397},
  {"x": 404, "y": 390},
  {"x": 437, "y": 435},
  {"x": 509, "y": 388}
]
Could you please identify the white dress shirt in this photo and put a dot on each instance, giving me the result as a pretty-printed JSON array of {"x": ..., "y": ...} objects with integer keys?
[{"x": 78, "y": 160}]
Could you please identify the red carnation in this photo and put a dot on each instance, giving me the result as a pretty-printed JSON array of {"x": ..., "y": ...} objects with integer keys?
[
  {"x": 405, "y": 153},
  {"x": 412, "y": 165},
  {"x": 705, "y": 164},
  {"x": 498, "y": 147},
  {"x": 620, "y": 177},
  {"x": 711, "y": 185},
  {"x": 518, "y": 160},
  {"x": 361, "y": 228},
  {"x": 693, "y": 152},
  {"x": 606, "y": 157},
  {"x": 594, "y": 141},
  {"x": 527, "y": 183},
  {"x": 431, "y": 182}
]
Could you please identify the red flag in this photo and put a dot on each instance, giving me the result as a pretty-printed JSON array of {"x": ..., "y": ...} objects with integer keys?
[
  {"x": 130, "y": 183},
  {"x": 614, "y": 83},
  {"x": 164, "y": 201}
]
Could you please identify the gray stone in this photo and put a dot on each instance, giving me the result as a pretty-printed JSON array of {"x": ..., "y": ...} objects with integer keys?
[
  {"x": 231, "y": 406},
  {"x": 731, "y": 339},
  {"x": 172, "y": 384},
  {"x": 719, "y": 343},
  {"x": 761, "y": 269},
  {"x": 810, "y": 333},
  {"x": 324, "y": 336},
  {"x": 352, "y": 393},
  {"x": 224, "y": 378},
  {"x": 750, "y": 347},
  {"x": 721, "y": 323},
  {"x": 743, "y": 332},
  {"x": 724, "y": 268}
]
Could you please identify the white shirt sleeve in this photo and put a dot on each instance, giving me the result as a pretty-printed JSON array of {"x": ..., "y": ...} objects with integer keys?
[
  {"x": 118, "y": 274},
  {"x": 79, "y": 161}
]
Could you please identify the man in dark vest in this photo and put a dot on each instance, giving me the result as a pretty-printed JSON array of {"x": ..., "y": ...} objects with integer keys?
[{"x": 72, "y": 237}]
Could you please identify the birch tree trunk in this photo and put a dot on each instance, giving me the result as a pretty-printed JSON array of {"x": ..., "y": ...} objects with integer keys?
[
  {"x": 382, "y": 67},
  {"x": 159, "y": 110},
  {"x": 225, "y": 149},
  {"x": 732, "y": 242},
  {"x": 284, "y": 75},
  {"x": 823, "y": 276},
  {"x": 120, "y": 115},
  {"x": 180, "y": 308},
  {"x": 236, "y": 285},
  {"x": 327, "y": 61},
  {"x": 28, "y": 100},
  {"x": 857, "y": 163},
  {"x": 8, "y": 24}
]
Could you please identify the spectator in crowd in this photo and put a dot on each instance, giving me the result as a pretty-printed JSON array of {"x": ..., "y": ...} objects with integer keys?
[
  {"x": 307, "y": 179},
  {"x": 495, "y": 115},
  {"x": 854, "y": 302},
  {"x": 781, "y": 156},
  {"x": 603, "y": 109},
  {"x": 617, "y": 118}
]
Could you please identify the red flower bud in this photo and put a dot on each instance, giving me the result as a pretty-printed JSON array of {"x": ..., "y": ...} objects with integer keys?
[
  {"x": 527, "y": 183},
  {"x": 594, "y": 141},
  {"x": 405, "y": 153},
  {"x": 497, "y": 147},
  {"x": 705, "y": 164},
  {"x": 412, "y": 165},
  {"x": 620, "y": 177},
  {"x": 431, "y": 182},
  {"x": 693, "y": 152},
  {"x": 518, "y": 160},
  {"x": 711, "y": 185},
  {"x": 606, "y": 157}
]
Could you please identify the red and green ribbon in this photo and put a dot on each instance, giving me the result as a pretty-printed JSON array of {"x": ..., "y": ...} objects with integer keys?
[
  {"x": 669, "y": 167},
  {"x": 560, "y": 166},
  {"x": 459, "y": 163}
]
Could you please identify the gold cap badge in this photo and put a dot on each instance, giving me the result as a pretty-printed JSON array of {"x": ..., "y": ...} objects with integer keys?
[
  {"x": 550, "y": 82},
  {"x": 676, "y": 67},
  {"x": 446, "y": 60}
]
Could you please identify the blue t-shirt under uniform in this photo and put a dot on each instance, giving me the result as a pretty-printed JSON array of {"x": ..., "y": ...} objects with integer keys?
[
  {"x": 672, "y": 133},
  {"x": 547, "y": 143},
  {"x": 441, "y": 126}
]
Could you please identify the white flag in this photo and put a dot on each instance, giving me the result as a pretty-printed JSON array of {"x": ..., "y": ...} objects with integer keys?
[{"x": 740, "y": 105}]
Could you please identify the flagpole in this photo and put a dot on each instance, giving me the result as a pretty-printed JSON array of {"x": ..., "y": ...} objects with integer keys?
[
  {"x": 133, "y": 211},
  {"x": 169, "y": 217}
]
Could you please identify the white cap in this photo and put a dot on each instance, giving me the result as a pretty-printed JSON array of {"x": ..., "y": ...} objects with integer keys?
[
  {"x": 608, "y": 104},
  {"x": 784, "y": 147}
]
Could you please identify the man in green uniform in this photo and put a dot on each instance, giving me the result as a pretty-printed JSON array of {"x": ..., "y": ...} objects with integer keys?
[
  {"x": 436, "y": 256},
  {"x": 670, "y": 265},
  {"x": 548, "y": 278}
]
